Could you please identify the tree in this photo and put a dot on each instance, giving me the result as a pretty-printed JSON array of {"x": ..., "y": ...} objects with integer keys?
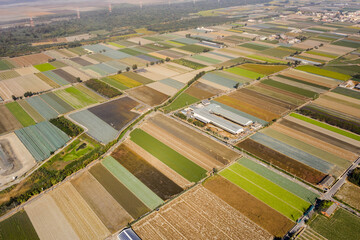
[
  {"x": 134, "y": 67},
  {"x": 237, "y": 85},
  {"x": 78, "y": 79},
  {"x": 128, "y": 69},
  {"x": 119, "y": 72},
  {"x": 14, "y": 98}
]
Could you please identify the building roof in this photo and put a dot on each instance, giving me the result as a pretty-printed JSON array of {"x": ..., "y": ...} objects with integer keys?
[
  {"x": 218, "y": 110},
  {"x": 128, "y": 234},
  {"x": 331, "y": 209}
]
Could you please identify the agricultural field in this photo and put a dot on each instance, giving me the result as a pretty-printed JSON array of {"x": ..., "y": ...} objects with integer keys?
[
  {"x": 195, "y": 48},
  {"x": 342, "y": 225},
  {"x": 42, "y": 107},
  {"x": 75, "y": 98},
  {"x": 5, "y": 65},
  {"x": 323, "y": 72},
  {"x": 21, "y": 115},
  {"x": 126, "y": 81},
  {"x": 44, "y": 67},
  {"x": 18, "y": 226},
  {"x": 148, "y": 95},
  {"x": 8, "y": 121},
  {"x": 349, "y": 194},
  {"x": 167, "y": 155},
  {"x": 181, "y": 101},
  {"x": 198, "y": 209},
  {"x": 102, "y": 88}
]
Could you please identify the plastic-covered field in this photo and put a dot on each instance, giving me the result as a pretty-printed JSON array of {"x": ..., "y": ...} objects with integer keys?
[
  {"x": 42, "y": 139},
  {"x": 102, "y": 69},
  {"x": 96, "y": 127},
  {"x": 96, "y": 48},
  {"x": 56, "y": 103},
  {"x": 117, "y": 65},
  {"x": 41, "y": 107},
  {"x": 56, "y": 78},
  {"x": 116, "y": 54},
  {"x": 220, "y": 80},
  {"x": 173, "y": 83}
]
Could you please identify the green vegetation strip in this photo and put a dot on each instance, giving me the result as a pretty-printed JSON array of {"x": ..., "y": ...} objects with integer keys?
[
  {"x": 265, "y": 59},
  {"x": 149, "y": 198},
  {"x": 326, "y": 126},
  {"x": 189, "y": 64},
  {"x": 290, "y": 88},
  {"x": 245, "y": 73},
  {"x": 183, "y": 100},
  {"x": 323, "y": 72},
  {"x": 266, "y": 191},
  {"x": 170, "y": 157},
  {"x": 20, "y": 114},
  {"x": 44, "y": 67}
]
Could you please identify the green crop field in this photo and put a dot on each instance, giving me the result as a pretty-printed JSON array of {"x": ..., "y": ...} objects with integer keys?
[
  {"x": 254, "y": 46},
  {"x": 116, "y": 45},
  {"x": 343, "y": 225},
  {"x": 326, "y": 126},
  {"x": 148, "y": 197},
  {"x": 20, "y": 114},
  {"x": 323, "y": 72},
  {"x": 131, "y": 51},
  {"x": 265, "y": 59},
  {"x": 5, "y": 65},
  {"x": 18, "y": 226},
  {"x": 346, "y": 44},
  {"x": 263, "y": 69},
  {"x": 206, "y": 59},
  {"x": 114, "y": 83},
  {"x": 322, "y": 54},
  {"x": 347, "y": 92},
  {"x": 75, "y": 97},
  {"x": 290, "y": 88},
  {"x": 170, "y": 157},
  {"x": 190, "y": 64},
  {"x": 181, "y": 101},
  {"x": 195, "y": 48},
  {"x": 44, "y": 67},
  {"x": 245, "y": 73},
  {"x": 271, "y": 194},
  {"x": 126, "y": 81}
]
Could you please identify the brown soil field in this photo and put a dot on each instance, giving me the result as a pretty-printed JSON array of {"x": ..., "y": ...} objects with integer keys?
[
  {"x": 148, "y": 95},
  {"x": 81, "y": 61},
  {"x": 322, "y": 134},
  {"x": 307, "y": 44},
  {"x": 28, "y": 60},
  {"x": 278, "y": 90},
  {"x": 78, "y": 213},
  {"x": 8, "y": 122},
  {"x": 263, "y": 215},
  {"x": 160, "y": 166},
  {"x": 350, "y": 194},
  {"x": 76, "y": 73},
  {"x": 118, "y": 191},
  {"x": 204, "y": 145},
  {"x": 354, "y": 111},
  {"x": 208, "y": 88},
  {"x": 284, "y": 162},
  {"x": 112, "y": 215},
  {"x": 311, "y": 78},
  {"x": 152, "y": 75},
  {"x": 214, "y": 85},
  {"x": 163, "y": 88},
  {"x": 17, "y": 160},
  {"x": 26, "y": 71},
  {"x": 146, "y": 173},
  {"x": 65, "y": 75},
  {"x": 254, "y": 99},
  {"x": 48, "y": 220},
  {"x": 198, "y": 214},
  {"x": 254, "y": 110},
  {"x": 116, "y": 113},
  {"x": 268, "y": 99},
  {"x": 343, "y": 97},
  {"x": 199, "y": 93},
  {"x": 315, "y": 142}
]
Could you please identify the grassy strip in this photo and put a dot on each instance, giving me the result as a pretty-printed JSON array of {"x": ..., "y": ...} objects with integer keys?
[
  {"x": 170, "y": 157},
  {"x": 20, "y": 114},
  {"x": 265, "y": 59},
  {"x": 326, "y": 126},
  {"x": 290, "y": 88},
  {"x": 190, "y": 64},
  {"x": 245, "y": 73},
  {"x": 323, "y": 72}
]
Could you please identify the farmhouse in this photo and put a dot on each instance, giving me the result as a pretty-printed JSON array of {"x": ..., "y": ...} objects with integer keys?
[{"x": 220, "y": 117}]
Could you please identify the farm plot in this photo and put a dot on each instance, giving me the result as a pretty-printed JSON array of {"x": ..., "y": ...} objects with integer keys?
[
  {"x": 18, "y": 226},
  {"x": 193, "y": 145},
  {"x": 254, "y": 46},
  {"x": 221, "y": 80},
  {"x": 81, "y": 61},
  {"x": 101, "y": 202},
  {"x": 42, "y": 107},
  {"x": 48, "y": 220},
  {"x": 253, "y": 110},
  {"x": 137, "y": 77},
  {"x": 289, "y": 88},
  {"x": 117, "y": 65},
  {"x": 78, "y": 213},
  {"x": 44, "y": 67},
  {"x": 263, "y": 69},
  {"x": 8, "y": 122},
  {"x": 116, "y": 113},
  {"x": 31, "y": 111},
  {"x": 350, "y": 194},
  {"x": 56, "y": 103},
  {"x": 76, "y": 73},
  {"x": 148, "y": 95},
  {"x": 181, "y": 101},
  {"x": 189, "y": 64},
  {"x": 5, "y": 65},
  {"x": 8, "y": 74},
  {"x": 245, "y": 73},
  {"x": 56, "y": 78},
  {"x": 206, "y": 59},
  {"x": 47, "y": 80},
  {"x": 323, "y": 72},
  {"x": 173, "y": 83},
  {"x": 42, "y": 139},
  {"x": 125, "y": 81},
  {"x": 90, "y": 92},
  {"x": 140, "y": 190},
  {"x": 349, "y": 108},
  {"x": 75, "y": 97},
  {"x": 118, "y": 191},
  {"x": 266, "y": 191},
  {"x": 65, "y": 75},
  {"x": 163, "y": 70},
  {"x": 198, "y": 214},
  {"x": 342, "y": 225},
  {"x": 282, "y": 161},
  {"x": 347, "y": 92},
  {"x": 151, "y": 75},
  {"x": 15, "y": 159},
  {"x": 257, "y": 211},
  {"x": 170, "y": 157},
  {"x": 265, "y": 59},
  {"x": 163, "y": 88},
  {"x": 32, "y": 59},
  {"x": 96, "y": 127},
  {"x": 26, "y": 71},
  {"x": 102, "y": 69},
  {"x": 195, "y": 48},
  {"x": 309, "y": 79},
  {"x": 20, "y": 114},
  {"x": 146, "y": 173}
]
